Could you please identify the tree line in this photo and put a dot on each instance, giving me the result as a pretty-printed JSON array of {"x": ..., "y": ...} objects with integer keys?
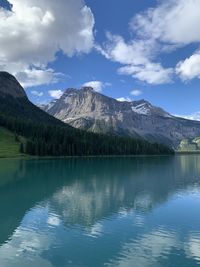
[{"x": 41, "y": 139}]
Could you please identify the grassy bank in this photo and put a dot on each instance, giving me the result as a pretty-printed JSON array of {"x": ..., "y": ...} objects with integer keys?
[{"x": 9, "y": 146}]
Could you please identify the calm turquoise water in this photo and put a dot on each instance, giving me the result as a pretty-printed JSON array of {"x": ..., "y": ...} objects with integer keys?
[{"x": 113, "y": 212}]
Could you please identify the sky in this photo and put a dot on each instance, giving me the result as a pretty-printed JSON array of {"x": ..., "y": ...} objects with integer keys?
[{"x": 126, "y": 49}]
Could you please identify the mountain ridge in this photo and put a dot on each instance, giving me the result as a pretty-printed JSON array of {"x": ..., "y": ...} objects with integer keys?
[
  {"x": 95, "y": 112},
  {"x": 10, "y": 86},
  {"x": 40, "y": 134}
]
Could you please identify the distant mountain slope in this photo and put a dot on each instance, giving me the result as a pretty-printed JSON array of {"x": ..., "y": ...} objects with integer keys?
[
  {"x": 89, "y": 110},
  {"x": 44, "y": 135}
]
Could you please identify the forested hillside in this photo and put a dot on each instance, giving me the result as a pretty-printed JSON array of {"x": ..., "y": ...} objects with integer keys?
[{"x": 47, "y": 136}]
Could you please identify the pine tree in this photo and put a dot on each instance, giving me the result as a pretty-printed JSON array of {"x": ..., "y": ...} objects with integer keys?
[{"x": 21, "y": 149}]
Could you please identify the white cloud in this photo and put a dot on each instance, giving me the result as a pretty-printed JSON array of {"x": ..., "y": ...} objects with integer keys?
[
  {"x": 189, "y": 68},
  {"x": 124, "y": 99},
  {"x": 152, "y": 73},
  {"x": 35, "y": 77},
  {"x": 96, "y": 85},
  {"x": 137, "y": 56},
  {"x": 36, "y": 93},
  {"x": 55, "y": 93},
  {"x": 172, "y": 22},
  {"x": 135, "y": 52},
  {"x": 136, "y": 92},
  {"x": 168, "y": 26},
  {"x": 29, "y": 42}
]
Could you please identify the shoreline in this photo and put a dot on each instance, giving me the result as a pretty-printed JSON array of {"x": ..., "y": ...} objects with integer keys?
[
  {"x": 27, "y": 157},
  {"x": 188, "y": 152},
  {"x": 95, "y": 156}
]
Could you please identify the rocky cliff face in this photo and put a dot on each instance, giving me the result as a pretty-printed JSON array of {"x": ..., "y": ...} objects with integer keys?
[
  {"x": 10, "y": 86},
  {"x": 89, "y": 110}
]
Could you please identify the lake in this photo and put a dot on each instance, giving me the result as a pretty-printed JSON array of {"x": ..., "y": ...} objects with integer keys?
[{"x": 93, "y": 212}]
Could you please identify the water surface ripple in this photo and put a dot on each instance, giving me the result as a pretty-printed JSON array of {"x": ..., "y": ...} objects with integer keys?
[{"x": 95, "y": 212}]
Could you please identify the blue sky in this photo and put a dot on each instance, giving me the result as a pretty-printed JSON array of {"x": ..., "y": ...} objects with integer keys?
[{"x": 126, "y": 49}]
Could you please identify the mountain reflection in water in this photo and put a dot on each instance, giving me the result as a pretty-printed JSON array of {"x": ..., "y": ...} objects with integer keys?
[{"x": 100, "y": 212}]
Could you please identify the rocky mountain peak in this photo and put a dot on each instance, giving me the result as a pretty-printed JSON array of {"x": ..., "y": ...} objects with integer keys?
[
  {"x": 89, "y": 110},
  {"x": 70, "y": 90},
  {"x": 10, "y": 86},
  {"x": 74, "y": 90},
  {"x": 87, "y": 89},
  {"x": 146, "y": 108}
]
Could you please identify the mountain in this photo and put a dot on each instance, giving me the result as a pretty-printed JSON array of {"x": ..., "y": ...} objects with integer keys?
[
  {"x": 15, "y": 103},
  {"x": 92, "y": 111},
  {"x": 10, "y": 86},
  {"x": 38, "y": 133}
]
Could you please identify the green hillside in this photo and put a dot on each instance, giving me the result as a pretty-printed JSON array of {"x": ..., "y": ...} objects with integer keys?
[{"x": 9, "y": 147}]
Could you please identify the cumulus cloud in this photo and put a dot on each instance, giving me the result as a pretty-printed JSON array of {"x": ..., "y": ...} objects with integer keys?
[
  {"x": 134, "y": 52},
  {"x": 152, "y": 73},
  {"x": 136, "y": 92},
  {"x": 189, "y": 68},
  {"x": 168, "y": 26},
  {"x": 137, "y": 56},
  {"x": 35, "y": 77},
  {"x": 55, "y": 93},
  {"x": 33, "y": 31},
  {"x": 172, "y": 22},
  {"x": 96, "y": 85}
]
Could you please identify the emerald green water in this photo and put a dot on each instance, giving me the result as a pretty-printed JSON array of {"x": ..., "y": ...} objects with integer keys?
[{"x": 113, "y": 212}]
